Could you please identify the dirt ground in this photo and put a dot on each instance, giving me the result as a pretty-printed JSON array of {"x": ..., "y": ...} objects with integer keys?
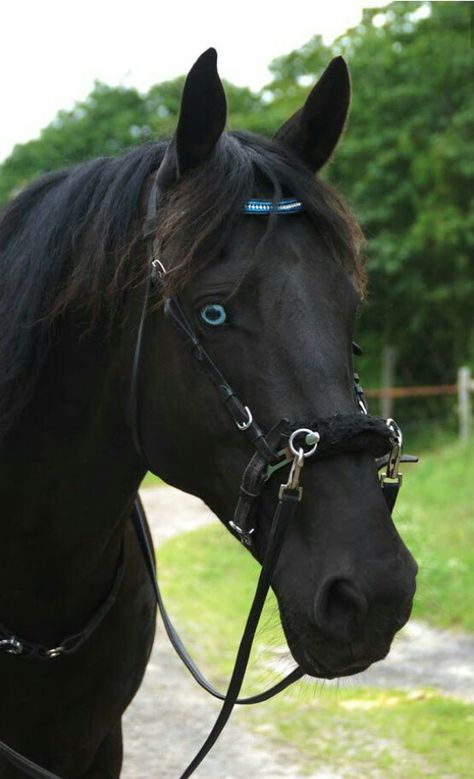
[{"x": 171, "y": 717}]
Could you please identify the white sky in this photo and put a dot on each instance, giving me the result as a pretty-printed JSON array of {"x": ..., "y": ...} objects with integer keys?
[{"x": 52, "y": 50}]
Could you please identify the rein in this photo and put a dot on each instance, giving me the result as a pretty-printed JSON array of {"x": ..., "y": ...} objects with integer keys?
[{"x": 284, "y": 444}]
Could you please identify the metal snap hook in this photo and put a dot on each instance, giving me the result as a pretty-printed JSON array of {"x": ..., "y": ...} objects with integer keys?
[
  {"x": 396, "y": 430},
  {"x": 395, "y": 453}
]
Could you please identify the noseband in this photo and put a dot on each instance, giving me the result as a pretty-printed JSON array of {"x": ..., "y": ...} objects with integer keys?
[{"x": 285, "y": 444}]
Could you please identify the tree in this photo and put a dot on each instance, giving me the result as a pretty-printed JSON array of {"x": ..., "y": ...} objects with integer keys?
[
  {"x": 406, "y": 167},
  {"x": 110, "y": 120}
]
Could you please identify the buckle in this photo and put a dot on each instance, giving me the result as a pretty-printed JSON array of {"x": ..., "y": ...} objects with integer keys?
[
  {"x": 245, "y": 536},
  {"x": 57, "y": 651},
  {"x": 11, "y": 646}
]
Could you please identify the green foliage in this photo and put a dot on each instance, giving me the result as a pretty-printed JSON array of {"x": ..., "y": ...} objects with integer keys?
[
  {"x": 108, "y": 121},
  {"x": 405, "y": 166},
  {"x": 435, "y": 519}
]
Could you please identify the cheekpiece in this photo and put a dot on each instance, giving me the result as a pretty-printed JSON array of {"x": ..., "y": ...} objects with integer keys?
[{"x": 287, "y": 206}]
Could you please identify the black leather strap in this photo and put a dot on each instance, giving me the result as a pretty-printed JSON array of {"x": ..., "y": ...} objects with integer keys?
[
  {"x": 24, "y": 764},
  {"x": 390, "y": 491},
  {"x": 139, "y": 522},
  {"x": 284, "y": 514},
  {"x": 68, "y": 646},
  {"x": 71, "y": 644},
  {"x": 175, "y": 311}
]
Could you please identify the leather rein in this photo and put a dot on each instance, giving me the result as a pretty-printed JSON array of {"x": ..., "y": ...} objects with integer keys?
[{"x": 283, "y": 445}]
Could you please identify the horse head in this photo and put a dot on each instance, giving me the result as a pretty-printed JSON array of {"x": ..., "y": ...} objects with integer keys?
[{"x": 272, "y": 296}]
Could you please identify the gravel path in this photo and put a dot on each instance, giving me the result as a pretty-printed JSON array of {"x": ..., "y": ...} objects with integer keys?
[{"x": 170, "y": 717}]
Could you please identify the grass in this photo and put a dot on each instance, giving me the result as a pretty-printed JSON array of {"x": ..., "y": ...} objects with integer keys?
[
  {"x": 374, "y": 733},
  {"x": 209, "y": 580},
  {"x": 435, "y": 516},
  {"x": 151, "y": 480}
]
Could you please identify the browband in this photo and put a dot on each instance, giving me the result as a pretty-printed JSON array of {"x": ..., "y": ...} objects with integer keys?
[{"x": 287, "y": 206}]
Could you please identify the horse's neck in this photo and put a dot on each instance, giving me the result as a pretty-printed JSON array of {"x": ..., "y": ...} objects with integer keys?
[{"x": 68, "y": 473}]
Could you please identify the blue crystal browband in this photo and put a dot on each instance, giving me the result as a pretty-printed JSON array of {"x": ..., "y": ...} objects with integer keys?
[{"x": 287, "y": 206}]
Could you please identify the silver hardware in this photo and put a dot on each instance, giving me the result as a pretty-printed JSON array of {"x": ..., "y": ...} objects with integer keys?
[
  {"x": 11, "y": 646},
  {"x": 311, "y": 439},
  {"x": 245, "y": 536},
  {"x": 396, "y": 430},
  {"x": 362, "y": 405},
  {"x": 56, "y": 652},
  {"x": 395, "y": 453},
  {"x": 293, "y": 482},
  {"x": 158, "y": 267},
  {"x": 245, "y": 425}
]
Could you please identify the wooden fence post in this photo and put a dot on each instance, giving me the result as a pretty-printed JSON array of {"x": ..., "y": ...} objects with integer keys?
[
  {"x": 389, "y": 356},
  {"x": 464, "y": 402}
]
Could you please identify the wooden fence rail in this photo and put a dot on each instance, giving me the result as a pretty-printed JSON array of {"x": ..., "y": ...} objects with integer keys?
[
  {"x": 412, "y": 392},
  {"x": 463, "y": 389}
]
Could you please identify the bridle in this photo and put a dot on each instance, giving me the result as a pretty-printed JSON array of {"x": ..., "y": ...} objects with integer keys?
[{"x": 285, "y": 444}]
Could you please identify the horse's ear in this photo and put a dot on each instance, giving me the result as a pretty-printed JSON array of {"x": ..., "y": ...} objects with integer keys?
[
  {"x": 314, "y": 130},
  {"x": 202, "y": 115}
]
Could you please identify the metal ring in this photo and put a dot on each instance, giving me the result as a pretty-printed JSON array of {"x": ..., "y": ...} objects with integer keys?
[
  {"x": 314, "y": 437},
  {"x": 245, "y": 425}
]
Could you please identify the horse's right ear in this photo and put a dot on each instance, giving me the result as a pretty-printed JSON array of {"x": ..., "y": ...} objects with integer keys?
[
  {"x": 313, "y": 132},
  {"x": 201, "y": 121}
]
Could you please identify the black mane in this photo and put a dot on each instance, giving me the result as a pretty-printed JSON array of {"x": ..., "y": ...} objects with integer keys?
[{"x": 73, "y": 238}]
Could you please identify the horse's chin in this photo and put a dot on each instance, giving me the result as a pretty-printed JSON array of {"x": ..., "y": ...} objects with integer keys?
[
  {"x": 324, "y": 663},
  {"x": 317, "y": 670}
]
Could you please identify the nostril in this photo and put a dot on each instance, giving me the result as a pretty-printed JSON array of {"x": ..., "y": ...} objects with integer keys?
[{"x": 340, "y": 609}]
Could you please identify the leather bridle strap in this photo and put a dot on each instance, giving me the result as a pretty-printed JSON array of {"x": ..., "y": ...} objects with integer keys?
[
  {"x": 284, "y": 515},
  {"x": 23, "y": 764},
  {"x": 67, "y": 647},
  {"x": 139, "y": 522},
  {"x": 14, "y": 645},
  {"x": 240, "y": 414}
]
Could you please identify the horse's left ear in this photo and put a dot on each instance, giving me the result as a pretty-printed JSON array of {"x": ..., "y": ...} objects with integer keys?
[{"x": 313, "y": 132}]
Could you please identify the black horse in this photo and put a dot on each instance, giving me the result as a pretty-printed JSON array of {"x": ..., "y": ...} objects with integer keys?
[{"x": 274, "y": 300}]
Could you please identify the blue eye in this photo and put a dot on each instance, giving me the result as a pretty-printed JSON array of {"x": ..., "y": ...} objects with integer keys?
[{"x": 213, "y": 314}]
